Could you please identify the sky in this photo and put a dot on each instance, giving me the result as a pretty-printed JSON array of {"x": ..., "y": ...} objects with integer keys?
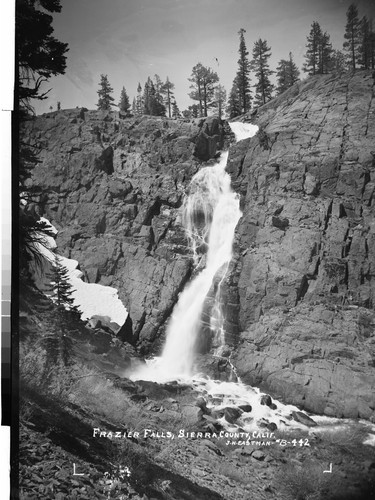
[{"x": 129, "y": 40}]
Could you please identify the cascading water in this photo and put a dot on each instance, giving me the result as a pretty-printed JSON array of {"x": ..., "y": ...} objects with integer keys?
[{"x": 210, "y": 215}]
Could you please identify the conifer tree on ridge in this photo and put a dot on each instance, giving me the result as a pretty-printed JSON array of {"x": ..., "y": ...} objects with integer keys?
[
  {"x": 287, "y": 74},
  {"x": 203, "y": 82},
  {"x": 234, "y": 106},
  {"x": 311, "y": 65},
  {"x": 139, "y": 101},
  {"x": 167, "y": 91},
  {"x": 319, "y": 51},
  {"x": 352, "y": 36},
  {"x": 242, "y": 79},
  {"x": 175, "y": 110},
  {"x": 220, "y": 98},
  {"x": 124, "y": 104},
  {"x": 367, "y": 45},
  {"x": 263, "y": 87},
  {"x": 104, "y": 93}
]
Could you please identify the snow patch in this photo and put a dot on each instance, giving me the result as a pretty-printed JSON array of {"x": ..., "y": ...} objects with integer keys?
[
  {"x": 91, "y": 299},
  {"x": 243, "y": 130},
  {"x": 94, "y": 299}
]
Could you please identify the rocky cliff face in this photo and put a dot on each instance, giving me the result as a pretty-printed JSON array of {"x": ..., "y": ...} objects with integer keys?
[
  {"x": 305, "y": 267},
  {"x": 113, "y": 187},
  {"x": 300, "y": 293}
]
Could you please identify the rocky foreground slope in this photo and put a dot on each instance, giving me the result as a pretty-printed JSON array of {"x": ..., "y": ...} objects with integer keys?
[{"x": 300, "y": 295}]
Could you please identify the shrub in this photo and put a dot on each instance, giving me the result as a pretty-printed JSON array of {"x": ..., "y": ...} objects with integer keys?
[{"x": 306, "y": 481}]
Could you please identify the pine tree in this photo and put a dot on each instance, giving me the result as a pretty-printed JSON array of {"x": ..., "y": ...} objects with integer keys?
[
  {"x": 32, "y": 233},
  {"x": 59, "y": 345},
  {"x": 234, "y": 106},
  {"x": 325, "y": 54},
  {"x": 366, "y": 57},
  {"x": 139, "y": 100},
  {"x": 313, "y": 47},
  {"x": 39, "y": 54},
  {"x": 294, "y": 72},
  {"x": 203, "y": 81},
  {"x": 282, "y": 76},
  {"x": 134, "y": 107},
  {"x": 58, "y": 349},
  {"x": 372, "y": 51},
  {"x": 319, "y": 51},
  {"x": 352, "y": 36},
  {"x": 191, "y": 112},
  {"x": 60, "y": 286},
  {"x": 152, "y": 102},
  {"x": 159, "y": 106},
  {"x": 263, "y": 87},
  {"x": 104, "y": 93},
  {"x": 124, "y": 104},
  {"x": 175, "y": 110},
  {"x": 196, "y": 79},
  {"x": 167, "y": 91},
  {"x": 243, "y": 76},
  {"x": 220, "y": 97},
  {"x": 158, "y": 84},
  {"x": 146, "y": 97},
  {"x": 338, "y": 63},
  {"x": 287, "y": 74}
]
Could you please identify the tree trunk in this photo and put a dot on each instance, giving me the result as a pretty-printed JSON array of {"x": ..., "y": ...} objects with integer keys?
[
  {"x": 169, "y": 102},
  {"x": 205, "y": 99},
  {"x": 353, "y": 51}
]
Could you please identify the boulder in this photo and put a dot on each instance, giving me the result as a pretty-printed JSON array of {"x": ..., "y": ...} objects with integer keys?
[
  {"x": 266, "y": 400},
  {"x": 126, "y": 385},
  {"x": 258, "y": 455},
  {"x": 152, "y": 390},
  {"x": 191, "y": 414},
  {"x": 304, "y": 419},
  {"x": 210, "y": 138},
  {"x": 232, "y": 414},
  {"x": 245, "y": 408},
  {"x": 202, "y": 404}
]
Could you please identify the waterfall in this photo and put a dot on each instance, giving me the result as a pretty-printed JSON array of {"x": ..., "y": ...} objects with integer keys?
[{"x": 210, "y": 214}]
